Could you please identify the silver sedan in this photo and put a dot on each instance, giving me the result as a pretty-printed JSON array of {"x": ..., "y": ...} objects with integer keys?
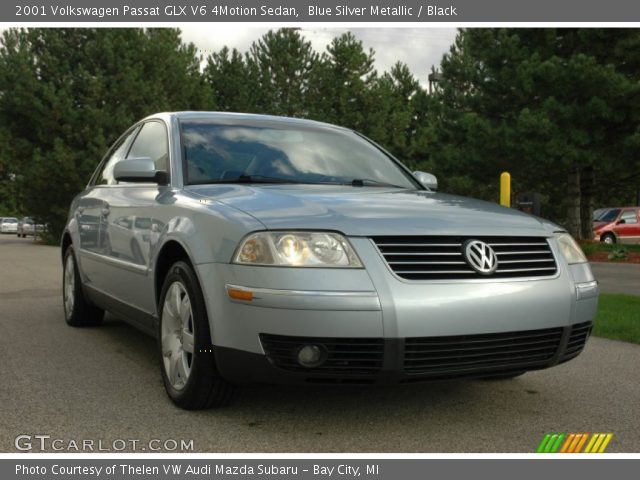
[{"x": 276, "y": 250}]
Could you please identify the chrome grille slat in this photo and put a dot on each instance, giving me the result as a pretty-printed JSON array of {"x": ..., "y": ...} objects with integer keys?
[
  {"x": 525, "y": 269},
  {"x": 419, "y": 245},
  {"x": 529, "y": 252},
  {"x": 435, "y": 262},
  {"x": 441, "y": 258},
  {"x": 422, "y": 254},
  {"x": 438, "y": 272},
  {"x": 518, "y": 244},
  {"x": 531, "y": 260}
]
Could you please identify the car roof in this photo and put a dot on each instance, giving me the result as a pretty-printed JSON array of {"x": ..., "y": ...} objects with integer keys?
[{"x": 239, "y": 117}]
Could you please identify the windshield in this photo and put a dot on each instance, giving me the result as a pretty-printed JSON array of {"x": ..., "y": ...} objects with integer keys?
[
  {"x": 10, "y": 220},
  {"x": 274, "y": 152},
  {"x": 609, "y": 215}
]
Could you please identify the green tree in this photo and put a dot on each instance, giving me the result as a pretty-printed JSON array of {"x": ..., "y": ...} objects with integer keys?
[
  {"x": 341, "y": 83},
  {"x": 282, "y": 62},
  {"x": 396, "y": 105},
  {"x": 233, "y": 81},
  {"x": 540, "y": 103},
  {"x": 67, "y": 94}
]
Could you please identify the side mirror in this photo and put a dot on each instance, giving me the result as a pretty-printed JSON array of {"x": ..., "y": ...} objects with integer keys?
[
  {"x": 621, "y": 221},
  {"x": 427, "y": 179},
  {"x": 141, "y": 169}
]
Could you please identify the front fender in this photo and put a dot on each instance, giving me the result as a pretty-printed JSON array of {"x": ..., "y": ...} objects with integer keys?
[{"x": 208, "y": 231}]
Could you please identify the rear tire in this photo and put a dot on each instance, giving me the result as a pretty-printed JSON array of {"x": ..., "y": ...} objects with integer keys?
[
  {"x": 78, "y": 311},
  {"x": 187, "y": 362}
]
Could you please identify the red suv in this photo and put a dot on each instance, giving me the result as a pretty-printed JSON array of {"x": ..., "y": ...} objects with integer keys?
[{"x": 618, "y": 225}]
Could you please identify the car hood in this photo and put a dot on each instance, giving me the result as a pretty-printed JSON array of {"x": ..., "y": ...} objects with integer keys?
[
  {"x": 598, "y": 225},
  {"x": 367, "y": 211}
]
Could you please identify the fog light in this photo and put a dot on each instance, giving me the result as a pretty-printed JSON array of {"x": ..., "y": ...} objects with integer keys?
[{"x": 311, "y": 356}]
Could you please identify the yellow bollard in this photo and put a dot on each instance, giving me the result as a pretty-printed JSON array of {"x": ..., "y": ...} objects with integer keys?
[{"x": 505, "y": 189}]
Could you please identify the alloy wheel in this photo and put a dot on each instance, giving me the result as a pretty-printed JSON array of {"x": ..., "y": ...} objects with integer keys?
[
  {"x": 177, "y": 336},
  {"x": 69, "y": 286}
]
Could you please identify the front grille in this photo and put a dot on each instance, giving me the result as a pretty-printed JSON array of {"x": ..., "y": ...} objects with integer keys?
[
  {"x": 577, "y": 340},
  {"x": 466, "y": 355},
  {"x": 345, "y": 356},
  {"x": 441, "y": 258}
]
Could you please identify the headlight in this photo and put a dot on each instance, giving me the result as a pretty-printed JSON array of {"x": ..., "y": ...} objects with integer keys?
[
  {"x": 570, "y": 249},
  {"x": 297, "y": 249}
]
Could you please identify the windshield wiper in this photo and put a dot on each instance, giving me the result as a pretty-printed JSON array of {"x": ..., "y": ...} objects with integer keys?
[
  {"x": 247, "y": 179},
  {"x": 369, "y": 182},
  {"x": 356, "y": 182}
]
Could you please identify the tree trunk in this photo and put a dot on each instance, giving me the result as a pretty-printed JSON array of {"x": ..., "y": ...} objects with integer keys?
[
  {"x": 573, "y": 203},
  {"x": 587, "y": 187}
]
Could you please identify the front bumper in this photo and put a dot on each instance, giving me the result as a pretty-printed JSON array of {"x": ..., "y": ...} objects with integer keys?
[
  {"x": 520, "y": 324},
  {"x": 396, "y": 361}
]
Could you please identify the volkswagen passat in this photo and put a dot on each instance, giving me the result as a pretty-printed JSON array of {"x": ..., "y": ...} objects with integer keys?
[{"x": 275, "y": 250}]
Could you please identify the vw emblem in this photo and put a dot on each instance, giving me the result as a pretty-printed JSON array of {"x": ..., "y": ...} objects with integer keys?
[{"x": 480, "y": 257}]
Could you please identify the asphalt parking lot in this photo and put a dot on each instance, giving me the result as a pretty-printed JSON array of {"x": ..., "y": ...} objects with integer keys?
[
  {"x": 618, "y": 278},
  {"x": 104, "y": 384}
]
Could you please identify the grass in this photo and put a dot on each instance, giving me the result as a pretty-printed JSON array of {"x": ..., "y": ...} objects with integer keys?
[
  {"x": 590, "y": 247},
  {"x": 618, "y": 318}
]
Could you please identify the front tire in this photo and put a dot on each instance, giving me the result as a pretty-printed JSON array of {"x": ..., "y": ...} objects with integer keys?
[
  {"x": 609, "y": 238},
  {"x": 190, "y": 376},
  {"x": 503, "y": 376},
  {"x": 78, "y": 311}
]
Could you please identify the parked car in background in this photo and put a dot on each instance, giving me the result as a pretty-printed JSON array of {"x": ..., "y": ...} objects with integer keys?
[
  {"x": 618, "y": 225},
  {"x": 26, "y": 226},
  {"x": 9, "y": 225},
  {"x": 262, "y": 249}
]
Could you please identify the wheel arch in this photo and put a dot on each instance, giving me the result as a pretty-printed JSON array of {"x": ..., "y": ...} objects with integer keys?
[
  {"x": 171, "y": 252},
  {"x": 65, "y": 243}
]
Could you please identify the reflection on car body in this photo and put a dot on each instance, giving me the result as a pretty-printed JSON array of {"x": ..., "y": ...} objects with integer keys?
[{"x": 132, "y": 238}]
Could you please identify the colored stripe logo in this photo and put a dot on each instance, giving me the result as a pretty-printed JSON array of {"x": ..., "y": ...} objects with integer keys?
[{"x": 574, "y": 443}]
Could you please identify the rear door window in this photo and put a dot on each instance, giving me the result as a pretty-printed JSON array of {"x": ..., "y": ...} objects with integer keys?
[{"x": 629, "y": 217}]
